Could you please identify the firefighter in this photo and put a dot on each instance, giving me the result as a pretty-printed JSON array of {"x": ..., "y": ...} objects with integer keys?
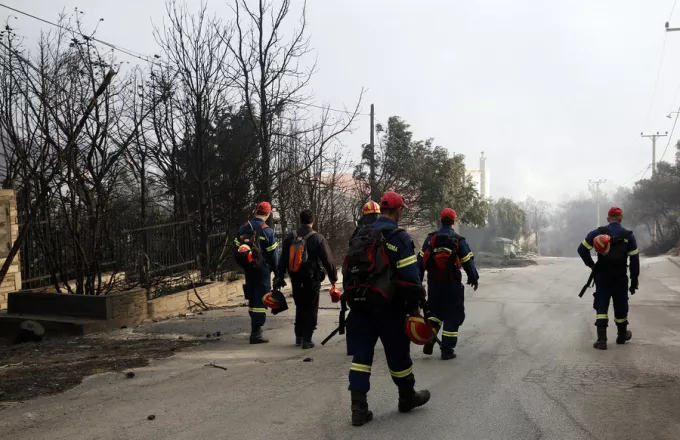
[
  {"x": 305, "y": 252},
  {"x": 442, "y": 254},
  {"x": 380, "y": 301},
  {"x": 614, "y": 245},
  {"x": 256, "y": 251},
  {"x": 369, "y": 214}
]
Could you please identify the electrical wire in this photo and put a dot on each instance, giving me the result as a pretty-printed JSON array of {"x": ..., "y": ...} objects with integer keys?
[
  {"x": 143, "y": 57},
  {"x": 677, "y": 114}
]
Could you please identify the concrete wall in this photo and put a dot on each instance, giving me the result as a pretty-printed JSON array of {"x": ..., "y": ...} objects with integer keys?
[
  {"x": 9, "y": 230},
  {"x": 214, "y": 294},
  {"x": 127, "y": 308}
]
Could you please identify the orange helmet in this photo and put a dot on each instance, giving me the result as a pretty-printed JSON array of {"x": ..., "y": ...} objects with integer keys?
[
  {"x": 271, "y": 302},
  {"x": 370, "y": 208},
  {"x": 602, "y": 244},
  {"x": 418, "y": 330}
]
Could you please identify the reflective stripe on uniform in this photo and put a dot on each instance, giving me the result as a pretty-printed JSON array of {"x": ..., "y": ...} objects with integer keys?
[
  {"x": 238, "y": 243},
  {"x": 407, "y": 261},
  {"x": 442, "y": 249},
  {"x": 402, "y": 374},
  {"x": 272, "y": 247},
  {"x": 422, "y": 254},
  {"x": 466, "y": 258},
  {"x": 437, "y": 320},
  {"x": 262, "y": 237},
  {"x": 620, "y": 320},
  {"x": 450, "y": 334},
  {"x": 257, "y": 310},
  {"x": 586, "y": 245},
  {"x": 391, "y": 247},
  {"x": 361, "y": 368},
  {"x": 633, "y": 252},
  {"x": 602, "y": 316}
]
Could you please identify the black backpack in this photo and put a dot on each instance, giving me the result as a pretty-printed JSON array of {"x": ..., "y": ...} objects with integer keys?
[
  {"x": 366, "y": 272},
  {"x": 441, "y": 256},
  {"x": 248, "y": 252},
  {"x": 616, "y": 261}
]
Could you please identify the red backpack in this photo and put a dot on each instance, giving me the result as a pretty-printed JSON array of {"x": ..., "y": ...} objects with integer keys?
[
  {"x": 366, "y": 272},
  {"x": 441, "y": 256},
  {"x": 248, "y": 253}
]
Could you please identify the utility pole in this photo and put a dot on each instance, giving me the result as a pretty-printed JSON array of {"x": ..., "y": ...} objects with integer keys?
[
  {"x": 596, "y": 192},
  {"x": 654, "y": 137},
  {"x": 374, "y": 190}
]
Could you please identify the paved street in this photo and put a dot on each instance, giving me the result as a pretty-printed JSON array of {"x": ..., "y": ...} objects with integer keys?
[{"x": 526, "y": 370}]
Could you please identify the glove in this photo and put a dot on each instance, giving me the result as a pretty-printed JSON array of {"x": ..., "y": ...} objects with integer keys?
[
  {"x": 634, "y": 285},
  {"x": 280, "y": 283},
  {"x": 474, "y": 284},
  {"x": 335, "y": 294}
]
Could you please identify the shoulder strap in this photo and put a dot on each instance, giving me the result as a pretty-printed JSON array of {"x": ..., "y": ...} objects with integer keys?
[
  {"x": 391, "y": 232},
  {"x": 603, "y": 230},
  {"x": 312, "y": 232}
]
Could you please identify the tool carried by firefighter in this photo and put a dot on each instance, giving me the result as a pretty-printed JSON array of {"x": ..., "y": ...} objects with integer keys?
[
  {"x": 589, "y": 283},
  {"x": 341, "y": 321}
]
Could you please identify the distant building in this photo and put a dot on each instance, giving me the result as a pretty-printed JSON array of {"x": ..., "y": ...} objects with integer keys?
[{"x": 481, "y": 177}]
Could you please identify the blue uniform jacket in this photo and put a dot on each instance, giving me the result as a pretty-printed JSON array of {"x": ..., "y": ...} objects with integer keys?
[
  {"x": 268, "y": 243},
  {"x": 614, "y": 230},
  {"x": 401, "y": 252},
  {"x": 465, "y": 255}
]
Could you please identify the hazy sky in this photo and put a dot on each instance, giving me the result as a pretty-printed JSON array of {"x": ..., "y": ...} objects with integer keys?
[{"x": 554, "y": 92}]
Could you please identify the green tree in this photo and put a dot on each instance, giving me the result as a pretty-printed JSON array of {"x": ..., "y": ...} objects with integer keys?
[
  {"x": 506, "y": 219},
  {"x": 426, "y": 175}
]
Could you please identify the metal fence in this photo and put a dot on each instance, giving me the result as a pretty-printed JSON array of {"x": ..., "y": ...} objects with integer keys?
[{"x": 124, "y": 247}]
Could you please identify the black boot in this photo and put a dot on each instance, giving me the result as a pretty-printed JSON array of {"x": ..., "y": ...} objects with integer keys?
[
  {"x": 448, "y": 353},
  {"x": 410, "y": 398},
  {"x": 298, "y": 341},
  {"x": 307, "y": 344},
  {"x": 428, "y": 348},
  {"x": 256, "y": 335},
  {"x": 624, "y": 334},
  {"x": 360, "y": 412},
  {"x": 601, "y": 343}
]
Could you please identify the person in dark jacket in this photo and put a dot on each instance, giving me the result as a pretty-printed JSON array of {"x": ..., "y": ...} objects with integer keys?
[
  {"x": 306, "y": 276},
  {"x": 369, "y": 214},
  {"x": 446, "y": 293},
  {"x": 611, "y": 279}
]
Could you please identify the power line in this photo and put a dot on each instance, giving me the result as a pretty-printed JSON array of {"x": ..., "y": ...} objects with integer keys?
[
  {"x": 671, "y": 136},
  {"x": 142, "y": 57},
  {"x": 656, "y": 82}
]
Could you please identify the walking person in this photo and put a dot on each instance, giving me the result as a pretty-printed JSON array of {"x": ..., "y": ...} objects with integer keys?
[{"x": 307, "y": 259}]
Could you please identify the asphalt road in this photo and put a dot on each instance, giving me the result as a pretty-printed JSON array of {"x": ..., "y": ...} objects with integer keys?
[{"x": 526, "y": 370}]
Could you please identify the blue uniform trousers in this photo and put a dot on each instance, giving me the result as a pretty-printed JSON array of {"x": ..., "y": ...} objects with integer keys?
[
  {"x": 364, "y": 326},
  {"x": 258, "y": 284},
  {"x": 607, "y": 289},
  {"x": 447, "y": 305}
]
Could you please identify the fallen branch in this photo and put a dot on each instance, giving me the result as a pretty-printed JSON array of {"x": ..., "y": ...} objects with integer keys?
[{"x": 214, "y": 365}]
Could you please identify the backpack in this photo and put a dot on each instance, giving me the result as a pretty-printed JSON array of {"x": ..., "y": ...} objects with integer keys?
[
  {"x": 616, "y": 261},
  {"x": 297, "y": 253},
  {"x": 366, "y": 272},
  {"x": 441, "y": 256},
  {"x": 248, "y": 253}
]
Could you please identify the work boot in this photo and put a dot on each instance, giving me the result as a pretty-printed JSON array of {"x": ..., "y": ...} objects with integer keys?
[
  {"x": 624, "y": 334},
  {"x": 601, "y": 343},
  {"x": 256, "y": 336},
  {"x": 307, "y": 344},
  {"x": 298, "y": 341},
  {"x": 428, "y": 348},
  {"x": 447, "y": 353},
  {"x": 360, "y": 412},
  {"x": 410, "y": 398}
]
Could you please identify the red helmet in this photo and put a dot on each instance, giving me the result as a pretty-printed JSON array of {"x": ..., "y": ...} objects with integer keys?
[
  {"x": 370, "y": 208},
  {"x": 418, "y": 330},
  {"x": 245, "y": 249},
  {"x": 271, "y": 302},
  {"x": 602, "y": 244}
]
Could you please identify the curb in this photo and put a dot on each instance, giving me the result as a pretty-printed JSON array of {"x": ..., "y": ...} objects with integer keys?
[{"x": 673, "y": 261}]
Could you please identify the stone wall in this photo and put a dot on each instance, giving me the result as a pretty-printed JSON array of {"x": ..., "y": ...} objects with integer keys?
[
  {"x": 127, "y": 307},
  {"x": 9, "y": 230},
  {"x": 214, "y": 294}
]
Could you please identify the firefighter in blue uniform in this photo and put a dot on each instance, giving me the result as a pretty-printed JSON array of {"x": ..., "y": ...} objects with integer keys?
[
  {"x": 446, "y": 293},
  {"x": 611, "y": 279},
  {"x": 369, "y": 214},
  {"x": 387, "y": 321},
  {"x": 258, "y": 278}
]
